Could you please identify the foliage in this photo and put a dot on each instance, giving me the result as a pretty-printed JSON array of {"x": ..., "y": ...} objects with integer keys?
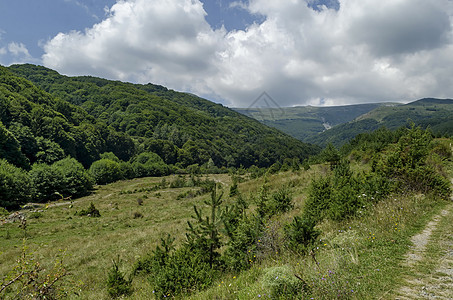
[
  {"x": 48, "y": 151},
  {"x": 408, "y": 164},
  {"x": 343, "y": 194},
  {"x": 301, "y": 233},
  {"x": 117, "y": 285},
  {"x": 281, "y": 282},
  {"x": 275, "y": 203},
  {"x": 234, "y": 187},
  {"x": 98, "y": 115},
  {"x": 10, "y": 149},
  {"x": 76, "y": 180},
  {"x": 106, "y": 171},
  {"x": 91, "y": 211},
  {"x": 190, "y": 266},
  {"x": 30, "y": 280},
  {"x": 66, "y": 177},
  {"x": 204, "y": 235},
  {"x": 242, "y": 245},
  {"x": 149, "y": 164},
  {"x": 331, "y": 155},
  {"x": 47, "y": 181},
  {"x": 15, "y": 186}
]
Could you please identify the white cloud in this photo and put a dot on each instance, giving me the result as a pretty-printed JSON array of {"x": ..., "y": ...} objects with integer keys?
[
  {"x": 166, "y": 42},
  {"x": 366, "y": 51},
  {"x": 18, "y": 49},
  {"x": 238, "y": 4}
]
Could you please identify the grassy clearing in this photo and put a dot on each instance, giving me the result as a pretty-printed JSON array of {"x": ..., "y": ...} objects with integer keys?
[
  {"x": 357, "y": 258},
  {"x": 125, "y": 228}
]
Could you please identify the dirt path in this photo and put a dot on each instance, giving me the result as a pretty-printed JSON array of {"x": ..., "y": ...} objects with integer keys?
[{"x": 437, "y": 283}]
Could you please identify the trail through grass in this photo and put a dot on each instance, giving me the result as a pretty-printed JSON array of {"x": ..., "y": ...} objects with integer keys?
[{"x": 430, "y": 261}]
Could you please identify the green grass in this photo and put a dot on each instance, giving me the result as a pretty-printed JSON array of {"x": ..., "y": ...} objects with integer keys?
[{"x": 358, "y": 258}]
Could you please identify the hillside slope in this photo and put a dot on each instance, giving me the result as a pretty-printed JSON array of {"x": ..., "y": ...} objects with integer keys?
[
  {"x": 303, "y": 122},
  {"x": 180, "y": 127},
  {"x": 433, "y": 113}
]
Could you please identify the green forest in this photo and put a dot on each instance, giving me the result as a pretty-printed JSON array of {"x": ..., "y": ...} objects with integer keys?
[{"x": 110, "y": 130}]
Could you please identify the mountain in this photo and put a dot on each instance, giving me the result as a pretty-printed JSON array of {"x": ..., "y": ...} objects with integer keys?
[
  {"x": 339, "y": 124},
  {"x": 87, "y": 116},
  {"x": 429, "y": 112},
  {"x": 304, "y": 122}
]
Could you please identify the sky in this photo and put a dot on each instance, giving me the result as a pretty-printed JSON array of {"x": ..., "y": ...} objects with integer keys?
[{"x": 299, "y": 52}]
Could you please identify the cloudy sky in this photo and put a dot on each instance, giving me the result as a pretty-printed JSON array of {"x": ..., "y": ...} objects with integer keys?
[{"x": 317, "y": 52}]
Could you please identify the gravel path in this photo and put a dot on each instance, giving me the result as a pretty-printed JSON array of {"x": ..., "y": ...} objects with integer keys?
[{"x": 439, "y": 283}]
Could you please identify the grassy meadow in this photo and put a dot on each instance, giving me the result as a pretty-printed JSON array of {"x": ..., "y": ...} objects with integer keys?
[{"x": 358, "y": 258}]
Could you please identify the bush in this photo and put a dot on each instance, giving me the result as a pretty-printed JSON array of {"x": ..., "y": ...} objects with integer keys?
[
  {"x": 281, "y": 201},
  {"x": 76, "y": 180},
  {"x": 242, "y": 245},
  {"x": 3, "y": 212},
  {"x": 91, "y": 211},
  {"x": 117, "y": 285},
  {"x": 281, "y": 283},
  {"x": 126, "y": 170},
  {"x": 109, "y": 155},
  {"x": 47, "y": 181},
  {"x": 10, "y": 149},
  {"x": 105, "y": 171},
  {"x": 15, "y": 186},
  {"x": 189, "y": 266},
  {"x": 301, "y": 233},
  {"x": 318, "y": 200},
  {"x": 150, "y": 164},
  {"x": 408, "y": 163},
  {"x": 30, "y": 279},
  {"x": 66, "y": 177}
]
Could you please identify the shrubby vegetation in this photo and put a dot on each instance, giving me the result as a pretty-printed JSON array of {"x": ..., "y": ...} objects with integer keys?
[
  {"x": 407, "y": 165},
  {"x": 15, "y": 185}
]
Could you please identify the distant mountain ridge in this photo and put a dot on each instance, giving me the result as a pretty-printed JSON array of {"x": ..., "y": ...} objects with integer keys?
[
  {"x": 304, "y": 122},
  {"x": 309, "y": 124}
]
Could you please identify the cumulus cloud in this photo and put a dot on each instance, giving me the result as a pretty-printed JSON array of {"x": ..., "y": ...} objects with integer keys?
[
  {"x": 167, "y": 42},
  {"x": 360, "y": 51},
  {"x": 18, "y": 49},
  {"x": 16, "y": 53}
]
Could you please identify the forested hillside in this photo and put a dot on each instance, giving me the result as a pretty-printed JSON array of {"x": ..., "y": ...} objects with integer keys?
[
  {"x": 433, "y": 113},
  {"x": 304, "y": 122},
  {"x": 117, "y": 130},
  {"x": 180, "y": 127}
]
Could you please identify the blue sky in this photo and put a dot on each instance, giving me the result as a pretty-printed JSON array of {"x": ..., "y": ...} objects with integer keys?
[
  {"x": 33, "y": 22},
  {"x": 317, "y": 52}
]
